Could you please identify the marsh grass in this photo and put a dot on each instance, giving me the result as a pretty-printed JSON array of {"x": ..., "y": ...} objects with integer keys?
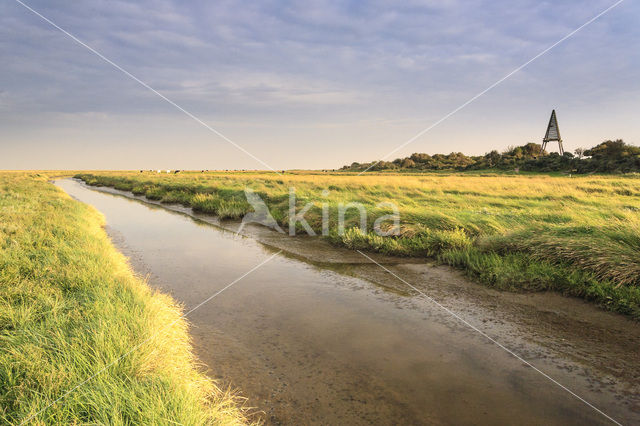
[
  {"x": 576, "y": 235},
  {"x": 177, "y": 197},
  {"x": 70, "y": 306},
  {"x": 232, "y": 209},
  {"x": 205, "y": 203}
]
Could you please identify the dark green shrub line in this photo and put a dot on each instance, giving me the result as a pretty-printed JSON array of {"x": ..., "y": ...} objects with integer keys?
[{"x": 607, "y": 157}]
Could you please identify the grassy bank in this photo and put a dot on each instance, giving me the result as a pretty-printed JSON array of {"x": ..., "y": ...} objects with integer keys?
[
  {"x": 576, "y": 235},
  {"x": 70, "y": 308}
]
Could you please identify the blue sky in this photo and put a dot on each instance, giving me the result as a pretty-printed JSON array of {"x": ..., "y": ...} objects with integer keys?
[{"x": 309, "y": 84}]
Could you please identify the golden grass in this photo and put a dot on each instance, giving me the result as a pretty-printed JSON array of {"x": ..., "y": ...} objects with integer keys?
[{"x": 73, "y": 314}]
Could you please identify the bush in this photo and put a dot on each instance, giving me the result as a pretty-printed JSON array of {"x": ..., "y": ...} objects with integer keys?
[{"x": 607, "y": 157}]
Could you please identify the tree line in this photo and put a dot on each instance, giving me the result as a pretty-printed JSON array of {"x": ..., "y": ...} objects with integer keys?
[{"x": 607, "y": 157}]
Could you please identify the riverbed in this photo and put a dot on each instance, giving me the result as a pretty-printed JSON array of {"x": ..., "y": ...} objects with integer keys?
[{"x": 315, "y": 334}]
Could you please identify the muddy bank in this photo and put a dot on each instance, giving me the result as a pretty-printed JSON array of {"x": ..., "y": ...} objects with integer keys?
[{"x": 333, "y": 348}]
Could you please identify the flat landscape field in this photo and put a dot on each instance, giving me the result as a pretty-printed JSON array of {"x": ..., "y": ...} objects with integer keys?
[{"x": 578, "y": 235}]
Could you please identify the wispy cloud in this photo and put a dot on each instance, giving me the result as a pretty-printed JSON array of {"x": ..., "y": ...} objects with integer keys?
[{"x": 317, "y": 64}]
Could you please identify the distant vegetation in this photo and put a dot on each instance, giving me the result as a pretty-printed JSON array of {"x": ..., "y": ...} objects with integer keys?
[
  {"x": 579, "y": 236},
  {"x": 83, "y": 341},
  {"x": 607, "y": 157}
]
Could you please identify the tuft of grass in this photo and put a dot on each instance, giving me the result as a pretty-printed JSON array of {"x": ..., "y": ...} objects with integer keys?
[
  {"x": 517, "y": 271},
  {"x": 155, "y": 193},
  {"x": 205, "y": 203},
  {"x": 83, "y": 341},
  {"x": 610, "y": 252},
  {"x": 139, "y": 189},
  {"x": 177, "y": 197},
  {"x": 232, "y": 209},
  {"x": 427, "y": 243},
  {"x": 214, "y": 204}
]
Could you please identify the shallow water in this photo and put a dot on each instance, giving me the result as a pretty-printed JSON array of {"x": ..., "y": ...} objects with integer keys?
[{"x": 309, "y": 345}]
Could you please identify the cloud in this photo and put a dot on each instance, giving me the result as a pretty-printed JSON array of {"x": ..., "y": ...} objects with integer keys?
[{"x": 314, "y": 63}]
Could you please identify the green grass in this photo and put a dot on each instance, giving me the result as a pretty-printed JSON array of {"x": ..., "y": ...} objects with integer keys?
[
  {"x": 70, "y": 312},
  {"x": 530, "y": 232}
]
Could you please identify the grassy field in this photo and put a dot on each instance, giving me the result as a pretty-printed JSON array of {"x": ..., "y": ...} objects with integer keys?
[
  {"x": 576, "y": 235},
  {"x": 70, "y": 308}
]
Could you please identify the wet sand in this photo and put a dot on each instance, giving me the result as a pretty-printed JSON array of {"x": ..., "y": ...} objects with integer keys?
[{"x": 321, "y": 335}]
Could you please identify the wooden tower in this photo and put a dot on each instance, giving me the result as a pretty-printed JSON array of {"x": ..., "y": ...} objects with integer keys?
[{"x": 553, "y": 133}]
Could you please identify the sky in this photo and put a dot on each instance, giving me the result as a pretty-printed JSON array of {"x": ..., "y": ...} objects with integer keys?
[{"x": 307, "y": 84}]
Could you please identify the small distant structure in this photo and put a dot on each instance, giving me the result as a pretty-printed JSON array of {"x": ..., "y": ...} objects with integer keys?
[
  {"x": 159, "y": 171},
  {"x": 553, "y": 133},
  {"x": 168, "y": 171}
]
